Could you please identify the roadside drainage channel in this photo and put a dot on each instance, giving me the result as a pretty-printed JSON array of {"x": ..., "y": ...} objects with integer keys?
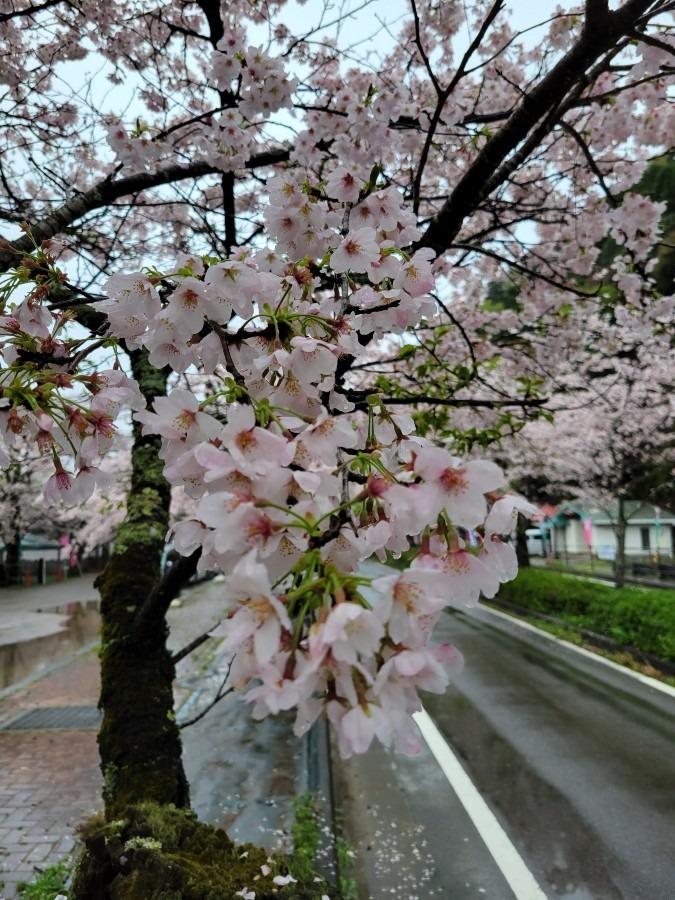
[{"x": 55, "y": 718}]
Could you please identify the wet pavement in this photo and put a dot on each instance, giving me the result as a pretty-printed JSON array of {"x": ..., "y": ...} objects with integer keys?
[
  {"x": 575, "y": 758},
  {"x": 40, "y": 626},
  {"x": 49, "y": 780},
  {"x": 244, "y": 776},
  {"x": 413, "y": 838}
]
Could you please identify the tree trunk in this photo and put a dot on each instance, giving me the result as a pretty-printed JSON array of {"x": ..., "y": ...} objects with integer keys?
[
  {"x": 139, "y": 741},
  {"x": 620, "y": 559},
  {"x": 522, "y": 553},
  {"x": 13, "y": 545},
  {"x": 13, "y": 561}
]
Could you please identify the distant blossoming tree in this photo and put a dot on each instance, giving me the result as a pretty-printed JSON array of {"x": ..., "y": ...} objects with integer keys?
[{"x": 613, "y": 443}]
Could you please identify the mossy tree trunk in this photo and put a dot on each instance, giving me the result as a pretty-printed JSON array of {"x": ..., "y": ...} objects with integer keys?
[
  {"x": 14, "y": 478},
  {"x": 139, "y": 741}
]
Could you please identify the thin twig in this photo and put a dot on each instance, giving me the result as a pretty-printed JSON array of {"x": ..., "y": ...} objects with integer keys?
[
  {"x": 220, "y": 693},
  {"x": 185, "y": 651},
  {"x": 224, "y": 343}
]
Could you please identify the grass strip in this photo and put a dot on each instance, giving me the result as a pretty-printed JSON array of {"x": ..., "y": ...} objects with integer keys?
[{"x": 633, "y": 617}]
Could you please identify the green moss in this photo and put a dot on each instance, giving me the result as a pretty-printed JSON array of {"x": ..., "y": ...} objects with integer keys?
[
  {"x": 163, "y": 853},
  {"x": 138, "y": 739},
  {"x": 109, "y": 780},
  {"x": 345, "y": 865},
  {"x": 305, "y": 832},
  {"x": 143, "y": 843}
]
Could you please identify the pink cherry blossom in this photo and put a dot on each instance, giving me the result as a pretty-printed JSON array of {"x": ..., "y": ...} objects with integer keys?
[
  {"x": 343, "y": 186},
  {"x": 458, "y": 488},
  {"x": 359, "y": 726},
  {"x": 59, "y": 487},
  {"x": 356, "y": 253},
  {"x": 179, "y": 417},
  {"x": 253, "y": 449},
  {"x": 349, "y": 630}
]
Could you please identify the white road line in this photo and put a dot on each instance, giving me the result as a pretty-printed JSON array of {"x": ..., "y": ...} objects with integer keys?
[
  {"x": 521, "y": 881},
  {"x": 638, "y": 676}
]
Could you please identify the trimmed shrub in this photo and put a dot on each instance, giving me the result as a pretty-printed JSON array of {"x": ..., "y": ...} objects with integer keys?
[{"x": 635, "y": 617}]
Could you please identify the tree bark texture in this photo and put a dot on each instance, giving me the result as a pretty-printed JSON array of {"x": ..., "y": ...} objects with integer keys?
[{"x": 139, "y": 742}]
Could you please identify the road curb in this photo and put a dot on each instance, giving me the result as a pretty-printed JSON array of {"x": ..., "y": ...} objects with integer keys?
[
  {"x": 594, "y": 638},
  {"x": 654, "y": 683},
  {"x": 319, "y": 775}
]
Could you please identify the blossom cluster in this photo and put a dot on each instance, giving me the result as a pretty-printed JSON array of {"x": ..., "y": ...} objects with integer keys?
[
  {"x": 253, "y": 85},
  {"x": 298, "y": 472},
  {"x": 309, "y": 631},
  {"x": 357, "y": 120},
  {"x": 260, "y": 79},
  {"x": 303, "y": 475},
  {"x": 47, "y": 395}
]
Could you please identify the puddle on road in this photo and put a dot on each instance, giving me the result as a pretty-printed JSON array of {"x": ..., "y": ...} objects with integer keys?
[{"x": 81, "y": 625}]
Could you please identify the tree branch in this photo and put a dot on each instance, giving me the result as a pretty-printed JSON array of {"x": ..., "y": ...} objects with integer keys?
[
  {"x": 166, "y": 589},
  {"x": 568, "y": 73},
  {"x": 596, "y": 13},
  {"x": 471, "y": 403},
  {"x": 229, "y": 212},
  {"x": 108, "y": 191},
  {"x": 220, "y": 693},
  {"x": 30, "y": 10},
  {"x": 588, "y": 156},
  {"x": 443, "y": 95},
  {"x": 530, "y": 273},
  {"x": 654, "y": 42},
  {"x": 187, "y": 650}
]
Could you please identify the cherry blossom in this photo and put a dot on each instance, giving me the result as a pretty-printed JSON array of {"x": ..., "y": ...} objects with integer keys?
[
  {"x": 458, "y": 488},
  {"x": 180, "y": 418},
  {"x": 357, "y": 252},
  {"x": 301, "y": 314}
]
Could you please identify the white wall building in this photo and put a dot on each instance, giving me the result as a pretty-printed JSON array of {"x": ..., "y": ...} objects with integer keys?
[{"x": 575, "y": 529}]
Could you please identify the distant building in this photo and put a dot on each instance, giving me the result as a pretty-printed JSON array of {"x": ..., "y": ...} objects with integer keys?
[
  {"x": 36, "y": 546},
  {"x": 576, "y": 528},
  {"x": 39, "y": 556}
]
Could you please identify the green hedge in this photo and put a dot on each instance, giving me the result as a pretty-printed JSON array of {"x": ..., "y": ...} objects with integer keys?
[{"x": 636, "y": 617}]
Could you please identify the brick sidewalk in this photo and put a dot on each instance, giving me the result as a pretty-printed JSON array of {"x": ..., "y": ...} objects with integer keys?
[{"x": 50, "y": 780}]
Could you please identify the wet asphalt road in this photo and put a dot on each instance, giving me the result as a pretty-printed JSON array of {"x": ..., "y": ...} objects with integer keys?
[{"x": 576, "y": 760}]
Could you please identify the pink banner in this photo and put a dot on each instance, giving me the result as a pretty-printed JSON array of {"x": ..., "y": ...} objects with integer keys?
[{"x": 588, "y": 532}]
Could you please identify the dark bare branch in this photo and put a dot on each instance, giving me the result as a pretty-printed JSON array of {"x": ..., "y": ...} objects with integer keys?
[
  {"x": 108, "y": 192},
  {"x": 456, "y": 402},
  {"x": 167, "y": 589},
  {"x": 566, "y": 76},
  {"x": 588, "y": 156},
  {"x": 31, "y": 10}
]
